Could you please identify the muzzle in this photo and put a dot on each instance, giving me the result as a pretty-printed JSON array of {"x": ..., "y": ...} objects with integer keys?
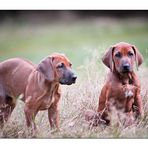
[{"x": 68, "y": 79}]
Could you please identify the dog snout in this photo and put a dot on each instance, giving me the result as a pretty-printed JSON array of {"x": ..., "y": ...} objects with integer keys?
[
  {"x": 71, "y": 77},
  {"x": 68, "y": 78},
  {"x": 126, "y": 67},
  {"x": 74, "y": 77}
]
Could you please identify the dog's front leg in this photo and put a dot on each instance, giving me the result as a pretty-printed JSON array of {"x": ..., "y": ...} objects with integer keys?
[
  {"x": 53, "y": 112},
  {"x": 139, "y": 105},
  {"x": 103, "y": 106},
  {"x": 30, "y": 114},
  {"x": 53, "y": 116}
]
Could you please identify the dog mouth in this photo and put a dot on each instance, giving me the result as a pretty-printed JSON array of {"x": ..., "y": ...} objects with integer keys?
[
  {"x": 67, "y": 82},
  {"x": 125, "y": 71}
]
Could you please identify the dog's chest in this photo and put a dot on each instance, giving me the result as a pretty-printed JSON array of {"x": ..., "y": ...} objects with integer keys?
[
  {"x": 48, "y": 99},
  {"x": 121, "y": 95},
  {"x": 128, "y": 93}
]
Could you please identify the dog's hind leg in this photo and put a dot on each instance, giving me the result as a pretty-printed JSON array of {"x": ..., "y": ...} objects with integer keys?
[
  {"x": 6, "y": 109},
  {"x": 2, "y": 104},
  {"x": 11, "y": 103},
  {"x": 2, "y": 95}
]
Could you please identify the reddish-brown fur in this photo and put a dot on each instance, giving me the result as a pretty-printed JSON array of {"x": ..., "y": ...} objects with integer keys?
[
  {"x": 37, "y": 85},
  {"x": 121, "y": 89}
]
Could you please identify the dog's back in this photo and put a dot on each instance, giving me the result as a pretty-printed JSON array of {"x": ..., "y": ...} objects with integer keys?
[{"x": 14, "y": 75}]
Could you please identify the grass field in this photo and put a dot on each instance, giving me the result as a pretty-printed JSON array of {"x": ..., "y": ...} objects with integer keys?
[{"x": 84, "y": 43}]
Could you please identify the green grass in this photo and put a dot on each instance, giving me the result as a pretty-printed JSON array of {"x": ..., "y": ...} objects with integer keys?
[{"x": 76, "y": 40}]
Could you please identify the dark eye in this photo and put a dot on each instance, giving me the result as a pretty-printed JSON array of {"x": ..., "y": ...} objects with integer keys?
[
  {"x": 118, "y": 55},
  {"x": 61, "y": 65},
  {"x": 130, "y": 54}
]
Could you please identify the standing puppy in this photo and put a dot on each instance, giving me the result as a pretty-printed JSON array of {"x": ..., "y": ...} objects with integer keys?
[
  {"x": 122, "y": 87},
  {"x": 38, "y": 85}
]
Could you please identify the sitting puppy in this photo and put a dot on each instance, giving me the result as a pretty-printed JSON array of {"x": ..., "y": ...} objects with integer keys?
[
  {"x": 122, "y": 87},
  {"x": 37, "y": 85}
]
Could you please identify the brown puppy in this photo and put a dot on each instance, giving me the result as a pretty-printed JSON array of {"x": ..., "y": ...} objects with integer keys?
[
  {"x": 37, "y": 85},
  {"x": 122, "y": 87}
]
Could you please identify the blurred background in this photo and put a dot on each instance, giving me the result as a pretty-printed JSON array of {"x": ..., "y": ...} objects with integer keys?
[{"x": 36, "y": 34}]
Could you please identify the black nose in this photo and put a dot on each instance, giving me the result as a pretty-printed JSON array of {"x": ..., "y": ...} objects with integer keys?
[
  {"x": 126, "y": 67},
  {"x": 74, "y": 77}
]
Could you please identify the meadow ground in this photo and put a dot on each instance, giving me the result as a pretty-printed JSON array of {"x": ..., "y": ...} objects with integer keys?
[{"x": 84, "y": 43}]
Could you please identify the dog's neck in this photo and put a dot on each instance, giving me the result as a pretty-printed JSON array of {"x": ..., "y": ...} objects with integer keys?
[
  {"x": 125, "y": 78},
  {"x": 51, "y": 85}
]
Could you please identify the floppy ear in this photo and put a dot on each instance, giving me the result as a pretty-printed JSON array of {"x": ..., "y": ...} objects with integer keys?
[
  {"x": 108, "y": 58},
  {"x": 138, "y": 57},
  {"x": 46, "y": 68}
]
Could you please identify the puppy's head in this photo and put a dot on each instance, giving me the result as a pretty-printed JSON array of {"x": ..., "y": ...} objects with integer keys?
[
  {"x": 122, "y": 57},
  {"x": 57, "y": 67}
]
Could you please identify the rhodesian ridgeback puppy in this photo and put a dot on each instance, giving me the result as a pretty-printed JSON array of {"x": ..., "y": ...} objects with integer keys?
[
  {"x": 37, "y": 85},
  {"x": 122, "y": 87}
]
